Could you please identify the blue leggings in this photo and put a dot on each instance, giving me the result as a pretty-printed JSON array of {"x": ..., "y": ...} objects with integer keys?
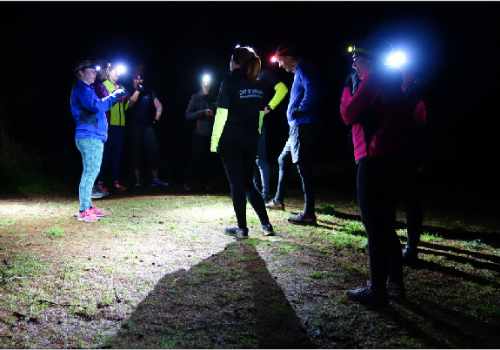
[{"x": 91, "y": 150}]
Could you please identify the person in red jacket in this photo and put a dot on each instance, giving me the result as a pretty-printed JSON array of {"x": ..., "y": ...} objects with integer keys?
[{"x": 382, "y": 126}]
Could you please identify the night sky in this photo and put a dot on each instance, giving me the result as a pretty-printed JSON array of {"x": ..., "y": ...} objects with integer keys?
[{"x": 458, "y": 45}]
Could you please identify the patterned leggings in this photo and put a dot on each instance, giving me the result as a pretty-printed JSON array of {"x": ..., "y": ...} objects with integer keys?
[{"x": 91, "y": 150}]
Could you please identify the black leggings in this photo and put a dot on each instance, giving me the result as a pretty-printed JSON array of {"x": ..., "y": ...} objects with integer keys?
[
  {"x": 378, "y": 186},
  {"x": 413, "y": 204},
  {"x": 239, "y": 162},
  {"x": 144, "y": 144}
]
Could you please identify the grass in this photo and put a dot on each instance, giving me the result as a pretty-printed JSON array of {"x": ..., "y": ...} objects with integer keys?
[
  {"x": 21, "y": 266},
  {"x": 55, "y": 232},
  {"x": 161, "y": 267},
  {"x": 429, "y": 237}
]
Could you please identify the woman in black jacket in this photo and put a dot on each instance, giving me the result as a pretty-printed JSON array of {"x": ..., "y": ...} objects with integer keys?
[{"x": 238, "y": 122}]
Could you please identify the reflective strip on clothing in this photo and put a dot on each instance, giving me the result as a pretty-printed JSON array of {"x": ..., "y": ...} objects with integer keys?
[
  {"x": 261, "y": 120},
  {"x": 220, "y": 121},
  {"x": 279, "y": 95}
]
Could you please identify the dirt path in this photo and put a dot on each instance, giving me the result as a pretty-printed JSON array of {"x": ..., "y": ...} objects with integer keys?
[{"x": 160, "y": 273}]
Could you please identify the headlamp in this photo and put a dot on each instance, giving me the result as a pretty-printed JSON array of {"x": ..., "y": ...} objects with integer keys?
[
  {"x": 396, "y": 59},
  {"x": 98, "y": 68},
  {"x": 121, "y": 69},
  {"x": 274, "y": 59},
  {"x": 206, "y": 79}
]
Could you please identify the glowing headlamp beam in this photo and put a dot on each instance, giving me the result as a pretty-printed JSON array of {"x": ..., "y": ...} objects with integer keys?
[
  {"x": 98, "y": 68},
  {"x": 206, "y": 79},
  {"x": 274, "y": 59},
  {"x": 121, "y": 69},
  {"x": 396, "y": 59}
]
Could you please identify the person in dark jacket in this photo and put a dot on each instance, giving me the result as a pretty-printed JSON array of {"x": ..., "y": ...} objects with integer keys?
[
  {"x": 382, "y": 126},
  {"x": 91, "y": 133},
  {"x": 145, "y": 110},
  {"x": 414, "y": 212},
  {"x": 201, "y": 111},
  {"x": 302, "y": 115},
  {"x": 238, "y": 121},
  {"x": 275, "y": 92}
]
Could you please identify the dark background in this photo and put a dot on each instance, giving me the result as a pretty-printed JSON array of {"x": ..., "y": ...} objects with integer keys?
[{"x": 458, "y": 46}]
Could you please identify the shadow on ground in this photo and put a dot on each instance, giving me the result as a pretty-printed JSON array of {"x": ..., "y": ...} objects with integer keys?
[
  {"x": 490, "y": 238},
  {"x": 229, "y": 300}
]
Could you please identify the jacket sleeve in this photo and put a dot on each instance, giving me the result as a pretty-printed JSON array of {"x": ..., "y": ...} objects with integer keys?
[
  {"x": 218, "y": 128},
  {"x": 192, "y": 111},
  {"x": 223, "y": 102},
  {"x": 280, "y": 92},
  {"x": 351, "y": 107},
  {"x": 94, "y": 104}
]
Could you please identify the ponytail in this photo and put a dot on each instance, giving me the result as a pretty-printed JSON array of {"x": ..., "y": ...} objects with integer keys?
[
  {"x": 249, "y": 61},
  {"x": 253, "y": 68}
]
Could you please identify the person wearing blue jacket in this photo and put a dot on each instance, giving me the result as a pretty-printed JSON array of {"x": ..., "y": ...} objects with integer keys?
[
  {"x": 302, "y": 115},
  {"x": 91, "y": 133}
]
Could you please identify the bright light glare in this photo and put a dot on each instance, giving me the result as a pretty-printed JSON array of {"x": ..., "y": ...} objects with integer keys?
[
  {"x": 206, "y": 79},
  {"x": 121, "y": 69},
  {"x": 98, "y": 68},
  {"x": 350, "y": 49},
  {"x": 274, "y": 59},
  {"x": 396, "y": 59}
]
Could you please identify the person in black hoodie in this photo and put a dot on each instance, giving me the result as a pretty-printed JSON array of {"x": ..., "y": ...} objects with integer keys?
[
  {"x": 238, "y": 122},
  {"x": 201, "y": 110},
  {"x": 144, "y": 113}
]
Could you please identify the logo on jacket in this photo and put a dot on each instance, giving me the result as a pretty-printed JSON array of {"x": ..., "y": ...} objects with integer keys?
[{"x": 251, "y": 93}]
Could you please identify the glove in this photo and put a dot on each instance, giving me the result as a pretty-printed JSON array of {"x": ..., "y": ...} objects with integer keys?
[
  {"x": 140, "y": 88},
  {"x": 118, "y": 93}
]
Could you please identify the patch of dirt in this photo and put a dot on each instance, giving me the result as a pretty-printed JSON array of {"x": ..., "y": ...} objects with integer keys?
[{"x": 160, "y": 273}]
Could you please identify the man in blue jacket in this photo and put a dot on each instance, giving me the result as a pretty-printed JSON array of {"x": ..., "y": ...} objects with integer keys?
[
  {"x": 302, "y": 115},
  {"x": 89, "y": 114}
]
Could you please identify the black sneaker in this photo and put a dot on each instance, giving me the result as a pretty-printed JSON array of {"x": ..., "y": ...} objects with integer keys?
[
  {"x": 267, "y": 230},
  {"x": 239, "y": 233},
  {"x": 410, "y": 256},
  {"x": 303, "y": 219},
  {"x": 365, "y": 295}
]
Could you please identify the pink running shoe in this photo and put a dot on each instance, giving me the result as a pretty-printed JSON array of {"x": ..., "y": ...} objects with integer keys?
[
  {"x": 87, "y": 216},
  {"x": 98, "y": 212}
]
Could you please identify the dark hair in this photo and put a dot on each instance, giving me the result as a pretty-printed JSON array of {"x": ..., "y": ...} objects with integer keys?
[
  {"x": 248, "y": 60},
  {"x": 81, "y": 65}
]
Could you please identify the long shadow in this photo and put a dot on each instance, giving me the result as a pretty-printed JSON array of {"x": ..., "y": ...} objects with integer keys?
[
  {"x": 229, "y": 300},
  {"x": 431, "y": 266},
  {"x": 435, "y": 246},
  {"x": 421, "y": 264},
  {"x": 462, "y": 329},
  {"x": 463, "y": 260},
  {"x": 490, "y": 238}
]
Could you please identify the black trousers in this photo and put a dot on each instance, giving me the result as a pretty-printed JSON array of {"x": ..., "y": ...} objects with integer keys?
[
  {"x": 112, "y": 156},
  {"x": 300, "y": 146},
  {"x": 200, "y": 168},
  {"x": 239, "y": 162},
  {"x": 144, "y": 145},
  {"x": 413, "y": 204},
  {"x": 379, "y": 187}
]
